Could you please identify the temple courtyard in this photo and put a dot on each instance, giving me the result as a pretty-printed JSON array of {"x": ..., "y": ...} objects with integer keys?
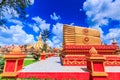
[
  {"x": 52, "y": 68},
  {"x": 52, "y": 64}
]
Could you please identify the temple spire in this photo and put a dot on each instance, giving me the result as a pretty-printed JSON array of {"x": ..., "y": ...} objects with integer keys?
[
  {"x": 40, "y": 37},
  {"x": 114, "y": 42},
  {"x": 113, "y": 39}
]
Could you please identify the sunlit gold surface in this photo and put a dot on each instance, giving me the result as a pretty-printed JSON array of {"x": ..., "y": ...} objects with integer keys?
[
  {"x": 16, "y": 50},
  {"x": 80, "y": 35}
]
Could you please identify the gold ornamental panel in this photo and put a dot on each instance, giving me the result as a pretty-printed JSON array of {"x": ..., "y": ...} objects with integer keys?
[
  {"x": 89, "y": 40},
  {"x": 87, "y": 31}
]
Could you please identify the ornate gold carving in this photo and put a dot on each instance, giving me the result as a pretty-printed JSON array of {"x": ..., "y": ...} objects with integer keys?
[
  {"x": 93, "y": 51},
  {"x": 90, "y": 40},
  {"x": 75, "y": 61},
  {"x": 77, "y": 35},
  {"x": 86, "y": 40},
  {"x": 16, "y": 50},
  {"x": 112, "y": 62},
  {"x": 85, "y": 31}
]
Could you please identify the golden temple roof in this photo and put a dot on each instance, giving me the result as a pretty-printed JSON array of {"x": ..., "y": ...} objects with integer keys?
[{"x": 39, "y": 44}]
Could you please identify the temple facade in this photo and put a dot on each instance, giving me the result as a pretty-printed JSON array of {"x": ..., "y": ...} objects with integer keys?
[{"x": 77, "y": 41}]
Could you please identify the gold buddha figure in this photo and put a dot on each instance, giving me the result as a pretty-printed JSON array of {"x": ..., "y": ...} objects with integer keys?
[{"x": 80, "y": 36}]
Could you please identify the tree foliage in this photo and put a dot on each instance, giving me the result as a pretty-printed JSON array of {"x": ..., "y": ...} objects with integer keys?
[
  {"x": 13, "y": 8},
  {"x": 45, "y": 36},
  {"x": 2, "y": 61}
]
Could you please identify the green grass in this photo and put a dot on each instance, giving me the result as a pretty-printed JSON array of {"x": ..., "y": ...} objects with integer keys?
[{"x": 28, "y": 62}]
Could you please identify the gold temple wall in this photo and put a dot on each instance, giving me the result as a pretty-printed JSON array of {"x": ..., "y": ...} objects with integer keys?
[
  {"x": 80, "y": 36},
  {"x": 80, "y": 40},
  {"x": 90, "y": 32}
]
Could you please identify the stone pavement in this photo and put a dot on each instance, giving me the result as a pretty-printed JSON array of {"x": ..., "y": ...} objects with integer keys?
[
  {"x": 52, "y": 64},
  {"x": 112, "y": 68}
]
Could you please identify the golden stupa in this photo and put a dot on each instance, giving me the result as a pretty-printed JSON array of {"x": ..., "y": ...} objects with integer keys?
[{"x": 38, "y": 45}]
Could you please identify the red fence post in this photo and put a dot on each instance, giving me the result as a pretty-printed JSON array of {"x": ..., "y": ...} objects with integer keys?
[
  {"x": 13, "y": 63},
  {"x": 43, "y": 56}
]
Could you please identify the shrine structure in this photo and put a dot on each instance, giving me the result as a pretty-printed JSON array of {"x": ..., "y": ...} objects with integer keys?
[
  {"x": 13, "y": 63},
  {"x": 77, "y": 41}
]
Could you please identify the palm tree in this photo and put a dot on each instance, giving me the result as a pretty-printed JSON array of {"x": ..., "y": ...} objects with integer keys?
[{"x": 45, "y": 36}]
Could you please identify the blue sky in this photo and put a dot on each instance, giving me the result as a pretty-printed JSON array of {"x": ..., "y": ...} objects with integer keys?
[{"x": 52, "y": 14}]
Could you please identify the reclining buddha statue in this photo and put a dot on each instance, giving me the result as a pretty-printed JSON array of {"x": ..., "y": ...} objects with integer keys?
[{"x": 80, "y": 36}]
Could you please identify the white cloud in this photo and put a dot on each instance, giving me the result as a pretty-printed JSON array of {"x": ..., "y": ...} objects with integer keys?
[
  {"x": 15, "y": 35},
  {"x": 41, "y": 23},
  {"x": 113, "y": 33},
  {"x": 99, "y": 11},
  {"x": 35, "y": 28},
  {"x": 3, "y": 27},
  {"x": 58, "y": 32},
  {"x": 57, "y": 29},
  {"x": 55, "y": 42},
  {"x": 50, "y": 43},
  {"x": 98, "y": 14},
  {"x": 18, "y": 22},
  {"x": 8, "y": 12},
  {"x": 55, "y": 17},
  {"x": 72, "y": 24}
]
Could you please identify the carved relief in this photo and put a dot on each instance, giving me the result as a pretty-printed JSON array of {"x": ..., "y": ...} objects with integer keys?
[{"x": 80, "y": 36}]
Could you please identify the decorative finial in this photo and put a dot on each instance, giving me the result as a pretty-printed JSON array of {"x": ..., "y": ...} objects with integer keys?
[
  {"x": 16, "y": 50},
  {"x": 40, "y": 36},
  {"x": 114, "y": 42},
  {"x": 43, "y": 53},
  {"x": 113, "y": 39},
  {"x": 93, "y": 51}
]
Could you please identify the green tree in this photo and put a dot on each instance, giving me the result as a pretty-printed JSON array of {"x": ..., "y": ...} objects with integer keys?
[
  {"x": 2, "y": 61},
  {"x": 12, "y": 9},
  {"x": 45, "y": 36}
]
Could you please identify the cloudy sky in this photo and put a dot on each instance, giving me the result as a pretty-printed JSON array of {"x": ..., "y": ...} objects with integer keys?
[{"x": 103, "y": 15}]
